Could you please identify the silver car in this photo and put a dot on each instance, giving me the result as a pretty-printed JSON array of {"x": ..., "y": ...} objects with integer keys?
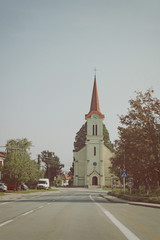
[{"x": 3, "y": 187}]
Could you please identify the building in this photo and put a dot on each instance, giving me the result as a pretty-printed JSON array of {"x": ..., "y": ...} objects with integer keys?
[
  {"x": 2, "y": 158},
  {"x": 92, "y": 161},
  {"x": 65, "y": 179}
]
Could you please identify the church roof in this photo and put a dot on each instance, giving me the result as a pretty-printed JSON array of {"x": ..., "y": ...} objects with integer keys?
[{"x": 94, "y": 108}]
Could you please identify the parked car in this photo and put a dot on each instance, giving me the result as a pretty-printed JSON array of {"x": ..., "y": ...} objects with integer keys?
[
  {"x": 24, "y": 187},
  {"x": 3, "y": 187}
]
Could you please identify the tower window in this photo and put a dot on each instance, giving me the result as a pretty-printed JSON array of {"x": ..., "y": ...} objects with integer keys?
[
  {"x": 94, "y": 151},
  {"x": 95, "y": 130}
]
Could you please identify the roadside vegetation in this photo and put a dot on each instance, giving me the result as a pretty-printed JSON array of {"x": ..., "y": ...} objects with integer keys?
[
  {"x": 33, "y": 190},
  {"x": 139, "y": 195},
  {"x": 20, "y": 169},
  {"x": 137, "y": 151}
]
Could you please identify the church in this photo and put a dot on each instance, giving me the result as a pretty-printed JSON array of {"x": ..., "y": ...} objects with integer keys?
[{"x": 92, "y": 161}]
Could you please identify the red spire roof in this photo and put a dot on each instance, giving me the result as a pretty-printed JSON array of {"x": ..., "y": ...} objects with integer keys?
[
  {"x": 95, "y": 101},
  {"x": 94, "y": 108}
]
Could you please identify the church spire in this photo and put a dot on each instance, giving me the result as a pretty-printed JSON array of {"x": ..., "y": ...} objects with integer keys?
[
  {"x": 95, "y": 101},
  {"x": 94, "y": 108}
]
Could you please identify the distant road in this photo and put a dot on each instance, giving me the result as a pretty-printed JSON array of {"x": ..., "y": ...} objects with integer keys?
[{"x": 76, "y": 214}]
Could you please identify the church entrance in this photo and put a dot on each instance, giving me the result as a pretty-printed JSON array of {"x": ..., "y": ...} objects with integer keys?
[{"x": 95, "y": 181}]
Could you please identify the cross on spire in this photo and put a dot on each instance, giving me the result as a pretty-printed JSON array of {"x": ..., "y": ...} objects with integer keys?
[{"x": 95, "y": 70}]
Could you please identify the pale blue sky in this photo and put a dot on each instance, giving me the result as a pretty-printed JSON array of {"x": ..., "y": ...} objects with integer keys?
[{"x": 48, "y": 52}]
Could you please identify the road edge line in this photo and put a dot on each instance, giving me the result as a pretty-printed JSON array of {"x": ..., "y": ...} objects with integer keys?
[{"x": 126, "y": 232}]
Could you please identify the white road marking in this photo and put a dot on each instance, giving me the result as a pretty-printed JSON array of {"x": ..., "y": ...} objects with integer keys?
[
  {"x": 4, "y": 223},
  {"x": 4, "y": 203},
  {"x": 129, "y": 235},
  {"x": 26, "y": 213},
  {"x": 39, "y": 207}
]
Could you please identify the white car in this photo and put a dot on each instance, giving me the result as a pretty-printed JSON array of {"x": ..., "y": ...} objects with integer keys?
[
  {"x": 43, "y": 183},
  {"x": 3, "y": 187}
]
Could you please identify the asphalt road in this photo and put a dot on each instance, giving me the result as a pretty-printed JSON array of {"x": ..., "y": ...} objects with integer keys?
[{"x": 76, "y": 214}]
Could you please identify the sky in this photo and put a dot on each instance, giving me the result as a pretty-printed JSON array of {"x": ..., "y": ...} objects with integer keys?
[{"x": 48, "y": 52}]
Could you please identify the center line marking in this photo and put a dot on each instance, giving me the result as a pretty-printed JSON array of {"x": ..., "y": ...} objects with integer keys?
[
  {"x": 27, "y": 213},
  {"x": 39, "y": 207},
  {"x": 129, "y": 235},
  {"x": 4, "y": 203},
  {"x": 4, "y": 223}
]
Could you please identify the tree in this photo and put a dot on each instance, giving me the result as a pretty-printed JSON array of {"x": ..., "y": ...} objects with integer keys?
[
  {"x": 52, "y": 164},
  {"x": 34, "y": 174},
  {"x": 58, "y": 181},
  {"x": 138, "y": 147},
  {"x": 18, "y": 166},
  {"x": 71, "y": 174},
  {"x": 106, "y": 138},
  {"x": 71, "y": 171},
  {"x": 80, "y": 139}
]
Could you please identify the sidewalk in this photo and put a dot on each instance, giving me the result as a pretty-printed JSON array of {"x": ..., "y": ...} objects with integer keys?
[
  {"x": 119, "y": 200},
  {"x": 17, "y": 196}
]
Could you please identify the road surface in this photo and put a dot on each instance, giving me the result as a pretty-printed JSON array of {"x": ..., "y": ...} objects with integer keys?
[{"x": 76, "y": 214}]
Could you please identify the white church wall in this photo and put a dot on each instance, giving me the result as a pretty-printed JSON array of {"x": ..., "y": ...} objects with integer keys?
[{"x": 80, "y": 162}]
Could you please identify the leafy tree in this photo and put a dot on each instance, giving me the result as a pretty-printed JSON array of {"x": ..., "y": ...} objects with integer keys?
[
  {"x": 18, "y": 166},
  {"x": 34, "y": 174},
  {"x": 138, "y": 147},
  {"x": 59, "y": 181},
  {"x": 71, "y": 174},
  {"x": 80, "y": 139},
  {"x": 106, "y": 138},
  {"x": 52, "y": 164},
  {"x": 71, "y": 171}
]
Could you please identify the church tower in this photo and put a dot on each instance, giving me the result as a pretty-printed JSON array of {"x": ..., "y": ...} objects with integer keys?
[
  {"x": 91, "y": 163},
  {"x": 94, "y": 141}
]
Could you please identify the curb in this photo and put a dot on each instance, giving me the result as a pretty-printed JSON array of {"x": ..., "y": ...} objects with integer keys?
[{"x": 115, "y": 199}]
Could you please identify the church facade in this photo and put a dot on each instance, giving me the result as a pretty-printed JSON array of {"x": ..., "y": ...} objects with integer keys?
[{"x": 92, "y": 162}]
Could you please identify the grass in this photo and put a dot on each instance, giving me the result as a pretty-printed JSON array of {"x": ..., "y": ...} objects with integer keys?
[
  {"x": 1, "y": 193},
  {"x": 31, "y": 191}
]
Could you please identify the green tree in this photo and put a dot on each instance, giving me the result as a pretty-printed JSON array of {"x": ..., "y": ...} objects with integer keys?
[
  {"x": 34, "y": 174},
  {"x": 71, "y": 171},
  {"x": 71, "y": 174},
  {"x": 138, "y": 147},
  {"x": 80, "y": 139},
  {"x": 52, "y": 164},
  {"x": 106, "y": 138},
  {"x": 59, "y": 181},
  {"x": 18, "y": 166}
]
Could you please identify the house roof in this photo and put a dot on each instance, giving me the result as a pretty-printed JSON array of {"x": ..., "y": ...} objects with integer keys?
[
  {"x": 94, "y": 108},
  {"x": 65, "y": 176},
  {"x": 2, "y": 155}
]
